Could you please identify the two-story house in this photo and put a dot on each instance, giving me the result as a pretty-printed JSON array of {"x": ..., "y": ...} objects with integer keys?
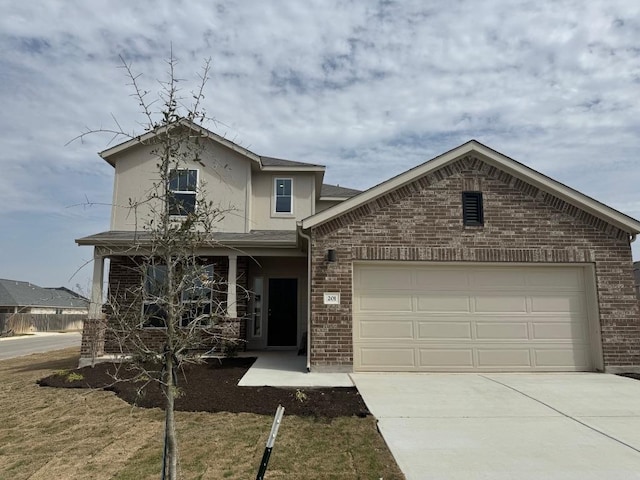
[
  {"x": 469, "y": 262},
  {"x": 258, "y": 247}
]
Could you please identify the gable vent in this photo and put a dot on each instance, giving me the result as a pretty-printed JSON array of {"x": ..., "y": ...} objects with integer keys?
[{"x": 472, "y": 212}]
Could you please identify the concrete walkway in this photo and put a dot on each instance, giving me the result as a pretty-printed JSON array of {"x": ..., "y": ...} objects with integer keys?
[
  {"x": 287, "y": 369},
  {"x": 579, "y": 426}
]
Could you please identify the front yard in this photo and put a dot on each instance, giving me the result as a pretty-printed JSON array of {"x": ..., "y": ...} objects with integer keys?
[{"x": 92, "y": 434}]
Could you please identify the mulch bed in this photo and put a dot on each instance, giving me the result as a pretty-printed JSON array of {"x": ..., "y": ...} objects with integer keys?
[{"x": 212, "y": 386}]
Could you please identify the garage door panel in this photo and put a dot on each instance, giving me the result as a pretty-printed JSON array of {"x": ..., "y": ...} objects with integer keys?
[
  {"x": 384, "y": 279},
  {"x": 441, "y": 279},
  {"x": 575, "y": 358},
  {"x": 386, "y": 329},
  {"x": 496, "y": 278},
  {"x": 387, "y": 358},
  {"x": 443, "y": 303},
  {"x": 559, "y": 331},
  {"x": 489, "y": 357},
  {"x": 557, "y": 304},
  {"x": 446, "y": 357},
  {"x": 558, "y": 279},
  {"x": 383, "y": 302},
  {"x": 502, "y": 330},
  {"x": 501, "y": 304},
  {"x": 444, "y": 330},
  {"x": 470, "y": 318}
]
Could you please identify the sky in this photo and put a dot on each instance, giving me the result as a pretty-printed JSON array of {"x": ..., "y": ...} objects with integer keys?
[{"x": 367, "y": 88}]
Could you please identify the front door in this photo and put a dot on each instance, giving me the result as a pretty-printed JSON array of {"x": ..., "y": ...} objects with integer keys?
[{"x": 283, "y": 312}]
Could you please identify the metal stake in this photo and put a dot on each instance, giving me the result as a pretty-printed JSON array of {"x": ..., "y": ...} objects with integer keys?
[{"x": 270, "y": 441}]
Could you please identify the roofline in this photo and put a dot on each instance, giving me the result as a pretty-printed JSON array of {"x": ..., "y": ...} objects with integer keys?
[
  {"x": 507, "y": 164},
  {"x": 334, "y": 198},
  {"x": 142, "y": 243},
  {"x": 105, "y": 154},
  {"x": 297, "y": 168}
]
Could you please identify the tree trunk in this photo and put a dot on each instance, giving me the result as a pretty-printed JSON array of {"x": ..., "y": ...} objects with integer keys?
[{"x": 171, "y": 449}]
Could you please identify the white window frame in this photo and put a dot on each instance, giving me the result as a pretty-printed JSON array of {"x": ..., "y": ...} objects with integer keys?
[
  {"x": 184, "y": 192},
  {"x": 275, "y": 198}
]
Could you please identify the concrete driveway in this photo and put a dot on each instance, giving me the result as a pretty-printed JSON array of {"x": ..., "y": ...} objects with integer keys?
[{"x": 578, "y": 426}]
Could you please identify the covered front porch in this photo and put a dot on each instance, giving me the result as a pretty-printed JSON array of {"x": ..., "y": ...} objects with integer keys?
[{"x": 260, "y": 292}]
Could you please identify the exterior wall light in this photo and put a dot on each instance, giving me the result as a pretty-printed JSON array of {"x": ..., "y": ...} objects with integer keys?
[{"x": 331, "y": 255}]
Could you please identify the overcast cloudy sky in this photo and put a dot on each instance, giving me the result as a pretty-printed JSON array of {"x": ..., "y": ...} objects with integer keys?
[{"x": 367, "y": 88}]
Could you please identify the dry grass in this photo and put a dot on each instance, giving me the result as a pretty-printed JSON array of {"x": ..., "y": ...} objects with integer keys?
[{"x": 82, "y": 434}]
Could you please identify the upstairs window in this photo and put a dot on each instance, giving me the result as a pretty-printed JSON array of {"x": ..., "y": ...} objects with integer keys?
[
  {"x": 183, "y": 184},
  {"x": 283, "y": 196},
  {"x": 472, "y": 211}
]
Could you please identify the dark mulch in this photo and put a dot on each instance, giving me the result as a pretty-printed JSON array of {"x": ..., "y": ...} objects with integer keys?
[{"x": 213, "y": 387}]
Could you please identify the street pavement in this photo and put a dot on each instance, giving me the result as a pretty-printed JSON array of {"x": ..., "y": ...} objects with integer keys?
[{"x": 11, "y": 347}]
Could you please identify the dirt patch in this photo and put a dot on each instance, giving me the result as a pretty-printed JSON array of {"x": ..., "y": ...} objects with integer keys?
[{"x": 213, "y": 387}]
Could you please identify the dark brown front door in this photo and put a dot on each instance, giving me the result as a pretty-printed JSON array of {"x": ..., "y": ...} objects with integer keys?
[{"x": 283, "y": 312}]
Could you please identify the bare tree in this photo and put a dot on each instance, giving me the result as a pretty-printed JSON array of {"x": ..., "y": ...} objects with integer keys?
[{"x": 179, "y": 293}]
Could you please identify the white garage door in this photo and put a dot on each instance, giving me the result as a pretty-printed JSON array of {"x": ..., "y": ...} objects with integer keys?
[{"x": 470, "y": 318}]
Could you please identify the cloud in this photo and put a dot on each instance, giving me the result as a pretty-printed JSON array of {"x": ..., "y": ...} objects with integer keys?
[{"x": 366, "y": 88}]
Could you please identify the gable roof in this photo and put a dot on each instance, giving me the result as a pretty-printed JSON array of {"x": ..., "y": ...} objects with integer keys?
[
  {"x": 336, "y": 191},
  {"x": 281, "y": 162},
  {"x": 14, "y": 293},
  {"x": 492, "y": 157},
  {"x": 259, "y": 161}
]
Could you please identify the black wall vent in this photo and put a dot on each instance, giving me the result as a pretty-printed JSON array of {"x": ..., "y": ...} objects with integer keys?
[{"x": 472, "y": 212}]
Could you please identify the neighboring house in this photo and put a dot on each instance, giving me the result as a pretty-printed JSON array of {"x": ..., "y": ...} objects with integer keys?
[
  {"x": 24, "y": 297},
  {"x": 468, "y": 262},
  {"x": 636, "y": 276}
]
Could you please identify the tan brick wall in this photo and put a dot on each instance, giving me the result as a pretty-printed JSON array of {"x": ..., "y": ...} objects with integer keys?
[{"x": 422, "y": 221}]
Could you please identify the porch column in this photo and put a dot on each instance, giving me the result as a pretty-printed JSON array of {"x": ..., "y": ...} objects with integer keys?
[
  {"x": 232, "y": 311},
  {"x": 95, "y": 307}
]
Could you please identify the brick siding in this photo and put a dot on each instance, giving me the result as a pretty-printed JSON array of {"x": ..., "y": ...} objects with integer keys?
[
  {"x": 422, "y": 221},
  {"x": 125, "y": 295}
]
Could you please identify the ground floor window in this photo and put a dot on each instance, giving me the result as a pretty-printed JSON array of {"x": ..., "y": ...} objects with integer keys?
[{"x": 196, "y": 306}]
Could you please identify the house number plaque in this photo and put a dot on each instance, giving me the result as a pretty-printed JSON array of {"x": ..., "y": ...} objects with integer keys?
[{"x": 332, "y": 299}]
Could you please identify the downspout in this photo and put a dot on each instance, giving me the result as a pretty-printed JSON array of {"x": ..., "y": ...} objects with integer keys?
[{"x": 304, "y": 235}]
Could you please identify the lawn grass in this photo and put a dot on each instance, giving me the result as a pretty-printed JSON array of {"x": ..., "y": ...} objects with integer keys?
[{"x": 89, "y": 434}]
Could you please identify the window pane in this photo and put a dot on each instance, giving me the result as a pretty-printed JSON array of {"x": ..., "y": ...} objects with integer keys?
[
  {"x": 200, "y": 286},
  {"x": 154, "y": 280},
  {"x": 283, "y": 204},
  {"x": 183, "y": 180},
  {"x": 182, "y": 203},
  {"x": 154, "y": 315},
  {"x": 173, "y": 180},
  {"x": 191, "y": 181},
  {"x": 283, "y": 186}
]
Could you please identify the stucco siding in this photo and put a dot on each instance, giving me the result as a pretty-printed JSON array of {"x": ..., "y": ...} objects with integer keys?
[
  {"x": 223, "y": 177},
  {"x": 262, "y": 209}
]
